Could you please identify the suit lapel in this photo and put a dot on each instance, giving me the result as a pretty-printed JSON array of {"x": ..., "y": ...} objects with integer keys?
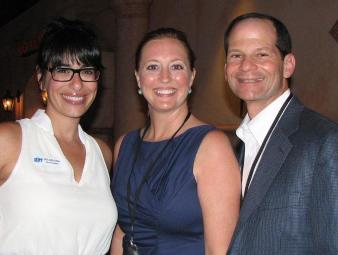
[
  {"x": 270, "y": 164},
  {"x": 239, "y": 152},
  {"x": 271, "y": 161}
]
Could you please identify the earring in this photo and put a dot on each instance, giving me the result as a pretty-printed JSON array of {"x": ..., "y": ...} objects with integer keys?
[
  {"x": 189, "y": 91},
  {"x": 139, "y": 91}
]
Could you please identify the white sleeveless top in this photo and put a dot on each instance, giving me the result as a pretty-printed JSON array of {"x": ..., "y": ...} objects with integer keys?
[{"x": 43, "y": 210}]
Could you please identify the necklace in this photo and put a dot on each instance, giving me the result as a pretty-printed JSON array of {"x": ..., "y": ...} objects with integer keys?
[
  {"x": 259, "y": 153},
  {"x": 132, "y": 248}
]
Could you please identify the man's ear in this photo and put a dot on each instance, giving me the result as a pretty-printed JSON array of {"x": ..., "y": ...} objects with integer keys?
[
  {"x": 225, "y": 71},
  {"x": 289, "y": 65}
]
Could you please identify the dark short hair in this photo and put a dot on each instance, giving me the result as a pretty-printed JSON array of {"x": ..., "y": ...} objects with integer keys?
[
  {"x": 72, "y": 39},
  {"x": 167, "y": 32},
  {"x": 283, "y": 42}
]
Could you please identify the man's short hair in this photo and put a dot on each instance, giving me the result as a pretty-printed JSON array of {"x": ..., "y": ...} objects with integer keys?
[{"x": 283, "y": 42}]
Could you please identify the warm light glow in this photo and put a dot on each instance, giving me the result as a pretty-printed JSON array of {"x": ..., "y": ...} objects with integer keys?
[
  {"x": 8, "y": 102},
  {"x": 44, "y": 97}
]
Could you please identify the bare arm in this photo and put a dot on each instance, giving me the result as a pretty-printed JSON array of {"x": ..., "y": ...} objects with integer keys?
[
  {"x": 106, "y": 152},
  {"x": 116, "y": 244},
  {"x": 218, "y": 181},
  {"x": 10, "y": 142}
]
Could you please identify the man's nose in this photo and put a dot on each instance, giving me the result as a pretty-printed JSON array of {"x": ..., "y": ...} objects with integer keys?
[{"x": 247, "y": 64}]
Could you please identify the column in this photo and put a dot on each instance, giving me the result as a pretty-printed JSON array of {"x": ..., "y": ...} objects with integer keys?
[{"x": 131, "y": 25}]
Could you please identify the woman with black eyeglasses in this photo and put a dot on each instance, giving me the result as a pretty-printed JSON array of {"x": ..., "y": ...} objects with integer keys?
[{"x": 54, "y": 180}]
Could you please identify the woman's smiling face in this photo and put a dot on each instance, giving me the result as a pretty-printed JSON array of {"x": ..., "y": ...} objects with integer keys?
[
  {"x": 164, "y": 74},
  {"x": 71, "y": 98}
]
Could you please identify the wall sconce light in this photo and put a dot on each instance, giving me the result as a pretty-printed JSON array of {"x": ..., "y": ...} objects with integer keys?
[
  {"x": 44, "y": 97},
  {"x": 8, "y": 102}
]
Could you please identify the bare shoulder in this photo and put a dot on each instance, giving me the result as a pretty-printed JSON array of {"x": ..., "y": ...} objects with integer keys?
[
  {"x": 215, "y": 154},
  {"x": 10, "y": 135},
  {"x": 216, "y": 141},
  {"x": 213, "y": 138},
  {"x": 10, "y": 142},
  {"x": 106, "y": 152}
]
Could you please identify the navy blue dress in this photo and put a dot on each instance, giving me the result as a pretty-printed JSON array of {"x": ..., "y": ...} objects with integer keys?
[{"x": 168, "y": 217}]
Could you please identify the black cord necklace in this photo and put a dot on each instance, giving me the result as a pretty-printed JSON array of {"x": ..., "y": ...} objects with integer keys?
[
  {"x": 132, "y": 247},
  {"x": 259, "y": 153}
]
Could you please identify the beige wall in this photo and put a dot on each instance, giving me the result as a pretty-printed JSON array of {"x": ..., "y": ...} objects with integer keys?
[
  {"x": 315, "y": 80},
  {"x": 309, "y": 22},
  {"x": 203, "y": 22}
]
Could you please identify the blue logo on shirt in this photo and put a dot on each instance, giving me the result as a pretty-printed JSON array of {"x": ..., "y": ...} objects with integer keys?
[
  {"x": 37, "y": 160},
  {"x": 49, "y": 161}
]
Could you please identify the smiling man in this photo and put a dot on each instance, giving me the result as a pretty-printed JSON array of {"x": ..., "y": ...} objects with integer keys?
[{"x": 290, "y": 160}]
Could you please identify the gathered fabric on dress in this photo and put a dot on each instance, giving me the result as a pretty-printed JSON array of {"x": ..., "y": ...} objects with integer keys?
[{"x": 168, "y": 218}]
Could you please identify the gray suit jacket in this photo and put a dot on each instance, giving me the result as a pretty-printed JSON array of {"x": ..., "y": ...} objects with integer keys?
[{"x": 291, "y": 207}]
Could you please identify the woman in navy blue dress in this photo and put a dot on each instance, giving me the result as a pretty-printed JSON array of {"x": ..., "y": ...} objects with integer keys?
[{"x": 176, "y": 181}]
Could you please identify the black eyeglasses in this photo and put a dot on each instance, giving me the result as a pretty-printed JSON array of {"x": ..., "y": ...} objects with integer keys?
[{"x": 87, "y": 74}]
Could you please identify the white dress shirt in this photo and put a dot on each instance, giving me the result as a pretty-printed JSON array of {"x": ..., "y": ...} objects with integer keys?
[{"x": 253, "y": 131}]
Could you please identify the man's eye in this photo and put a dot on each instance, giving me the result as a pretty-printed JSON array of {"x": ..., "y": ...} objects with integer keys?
[
  {"x": 263, "y": 54},
  {"x": 235, "y": 56},
  {"x": 151, "y": 67}
]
